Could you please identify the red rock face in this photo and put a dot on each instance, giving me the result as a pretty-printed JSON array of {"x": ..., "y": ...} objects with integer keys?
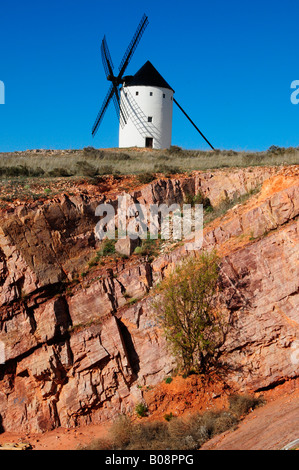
[{"x": 80, "y": 354}]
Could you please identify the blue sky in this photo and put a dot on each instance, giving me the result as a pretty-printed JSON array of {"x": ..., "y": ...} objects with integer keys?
[{"x": 231, "y": 64}]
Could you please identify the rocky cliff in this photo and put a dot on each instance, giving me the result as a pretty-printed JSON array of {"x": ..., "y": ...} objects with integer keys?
[{"x": 78, "y": 349}]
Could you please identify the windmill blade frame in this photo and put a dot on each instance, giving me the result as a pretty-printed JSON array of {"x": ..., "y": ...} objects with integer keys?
[
  {"x": 132, "y": 46},
  {"x": 113, "y": 91},
  {"x": 188, "y": 117},
  {"x": 108, "y": 67},
  {"x": 106, "y": 58},
  {"x": 103, "y": 110}
]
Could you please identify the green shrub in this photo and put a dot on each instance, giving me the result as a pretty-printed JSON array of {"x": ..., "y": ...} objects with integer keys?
[
  {"x": 107, "y": 248},
  {"x": 168, "y": 380},
  {"x": 141, "y": 409},
  {"x": 186, "y": 312}
]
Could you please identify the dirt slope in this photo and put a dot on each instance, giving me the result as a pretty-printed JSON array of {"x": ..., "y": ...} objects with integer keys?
[{"x": 270, "y": 427}]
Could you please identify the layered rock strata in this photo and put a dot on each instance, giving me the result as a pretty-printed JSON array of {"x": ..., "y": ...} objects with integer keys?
[{"x": 80, "y": 354}]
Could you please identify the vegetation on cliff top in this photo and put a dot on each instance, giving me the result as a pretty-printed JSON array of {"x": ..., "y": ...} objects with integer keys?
[{"x": 91, "y": 162}]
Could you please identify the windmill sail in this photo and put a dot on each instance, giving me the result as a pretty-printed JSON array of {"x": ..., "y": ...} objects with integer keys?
[{"x": 113, "y": 92}]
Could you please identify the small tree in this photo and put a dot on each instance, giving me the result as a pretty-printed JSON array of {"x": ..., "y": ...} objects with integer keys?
[{"x": 187, "y": 312}]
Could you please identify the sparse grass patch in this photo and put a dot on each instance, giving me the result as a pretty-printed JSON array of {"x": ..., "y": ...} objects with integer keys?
[
  {"x": 211, "y": 213},
  {"x": 57, "y": 163},
  {"x": 146, "y": 178},
  {"x": 167, "y": 170},
  {"x": 59, "y": 173},
  {"x": 198, "y": 198},
  {"x": 21, "y": 170},
  {"x": 148, "y": 247},
  {"x": 175, "y": 433},
  {"x": 86, "y": 169},
  {"x": 107, "y": 249}
]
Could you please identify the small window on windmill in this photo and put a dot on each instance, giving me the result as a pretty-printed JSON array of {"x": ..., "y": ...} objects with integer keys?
[
  {"x": 151, "y": 93},
  {"x": 150, "y": 119},
  {"x": 137, "y": 93},
  {"x": 164, "y": 95}
]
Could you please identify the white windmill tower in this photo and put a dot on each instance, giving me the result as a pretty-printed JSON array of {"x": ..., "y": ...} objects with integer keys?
[
  {"x": 147, "y": 101},
  {"x": 143, "y": 102}
]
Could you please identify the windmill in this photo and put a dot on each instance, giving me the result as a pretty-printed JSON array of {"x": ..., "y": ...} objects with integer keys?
[{"x": 143, "y": 102}]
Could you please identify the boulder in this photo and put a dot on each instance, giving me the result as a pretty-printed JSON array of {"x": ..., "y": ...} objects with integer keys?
[{"x": 126, "y": 246}]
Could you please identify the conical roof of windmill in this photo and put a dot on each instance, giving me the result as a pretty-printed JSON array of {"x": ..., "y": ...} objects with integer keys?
[{"x": 147, "y": 76}]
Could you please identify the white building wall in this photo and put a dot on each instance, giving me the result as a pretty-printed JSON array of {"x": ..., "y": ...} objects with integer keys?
[{"x": 139, "y": 103}]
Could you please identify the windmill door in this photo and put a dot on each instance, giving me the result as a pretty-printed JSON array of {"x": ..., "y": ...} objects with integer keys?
[{"x": 149, "y": 142}]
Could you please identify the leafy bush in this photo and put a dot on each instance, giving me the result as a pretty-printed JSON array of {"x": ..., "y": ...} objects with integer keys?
[
  {"x": 108, "y": 248},
  {"x": 186, "y": 311}
]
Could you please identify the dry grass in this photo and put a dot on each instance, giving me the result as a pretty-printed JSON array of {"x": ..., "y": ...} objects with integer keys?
[
  {"x": 240, "y": 405},
  {"x": 188, "y": 433},
  {"x": 91, "y": 162}
]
